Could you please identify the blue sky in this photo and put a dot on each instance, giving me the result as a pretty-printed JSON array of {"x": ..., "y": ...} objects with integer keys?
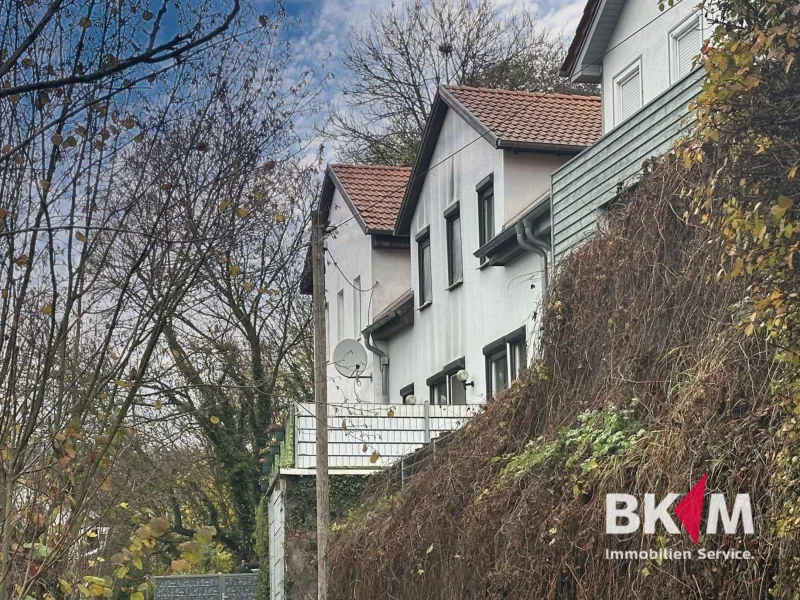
[{"x": 325, "y": 24}]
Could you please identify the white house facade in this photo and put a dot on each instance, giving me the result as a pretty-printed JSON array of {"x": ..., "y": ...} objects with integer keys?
[
  {"x": 645, "y": 61},
  {"x": 483, "y": 169}
]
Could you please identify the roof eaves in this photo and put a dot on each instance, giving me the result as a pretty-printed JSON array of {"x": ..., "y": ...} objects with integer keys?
[
  {"x": 462, "y": 111},
  {"x": 331, "y": 172},
  {"x": 578, "y": 42},
  {"x": 421, "y": 163}
]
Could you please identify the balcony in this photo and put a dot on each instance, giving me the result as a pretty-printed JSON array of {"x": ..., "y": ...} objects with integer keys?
[
  {"x": 392, "y": 431},
  {"x": 590, "y": 181}
]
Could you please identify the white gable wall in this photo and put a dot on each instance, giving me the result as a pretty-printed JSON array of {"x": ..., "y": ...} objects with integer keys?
[
  {"x": 642, "y": 36},
  {"x": 492, "y": 302},
  {"x": 527, "y": 178},
  {"x": 351, "y": 251}
]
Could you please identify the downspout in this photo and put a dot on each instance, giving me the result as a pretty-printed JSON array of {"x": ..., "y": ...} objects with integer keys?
[
  {"x": 384, "y": 367},
  {"x": 527, "y": 240}
]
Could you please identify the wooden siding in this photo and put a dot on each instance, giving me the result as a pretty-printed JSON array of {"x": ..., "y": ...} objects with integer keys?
[{"x": 591, "y": 179}]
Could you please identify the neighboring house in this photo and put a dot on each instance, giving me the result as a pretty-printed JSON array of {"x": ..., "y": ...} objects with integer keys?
[
  {"x": 367, "y": 269},
  {"x": 644, "y": 60},
  {"x": 476, "y": 212}
]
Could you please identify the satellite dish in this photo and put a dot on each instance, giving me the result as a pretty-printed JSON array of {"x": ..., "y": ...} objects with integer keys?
[{"x": 350, "y": 358}]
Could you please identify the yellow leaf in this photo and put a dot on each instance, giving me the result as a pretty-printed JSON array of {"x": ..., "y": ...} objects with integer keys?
[
  {"x": 242, "y": 212},
  {"x": 390, "y": 413},
  {"x": 374, "y": 458},
  {"x": 178, "y": 566},
  {"x": 214, "y": 419},
  {"x": 47, "y": 309},
  {"x": 223, "y": 206},
  {"x": 792, "y": 172},
  {"x": 65, "y": 586},
  {"x": 158, "y": 405},
  {"x": 248, "y": 286},
  {"x": 137, "y": 562},
  {"x": 235, "y": 270},
  {"x": 280, "y": 218},
  {"x": 81, "y": 237},
  {"x": 778, "y": 211},
  {"x": 137, "y": 596},
  {"x": 56, "y": 139},
  {"x": 364, "y": 448},
  {"x": 14, "y": 98},
  {"x": 45, "y": 185},
  {"x": 85, "y": 22},
  {"x": 748, "y": 331},
  {"x": 120, "y": 572}
]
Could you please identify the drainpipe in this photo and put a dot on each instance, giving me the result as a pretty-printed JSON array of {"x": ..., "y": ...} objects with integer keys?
[
  {"x": 527, "y": 240},
  {"x": 384, "y": 367}
]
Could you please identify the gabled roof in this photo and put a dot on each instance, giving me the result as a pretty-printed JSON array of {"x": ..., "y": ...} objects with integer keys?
[
  {"x": 585, "y": 55},
  {"x": 373, "y": 193},
  {"x": 528, "y": 119},
  {"x": 524, "y": 121}
]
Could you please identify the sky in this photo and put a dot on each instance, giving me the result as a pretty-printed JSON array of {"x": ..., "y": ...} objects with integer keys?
[{"x": 324, "y": 25}]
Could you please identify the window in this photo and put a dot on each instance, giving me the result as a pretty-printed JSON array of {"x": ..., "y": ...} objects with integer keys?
[
  {"x": 439, "y": 392},
  {"x": 455, "y": 265},
  {"x": 518, "y": 355},
  {"x": 506, "y": 358},
  {"x": 357, "y": 307},
  {"x": 340, "y": 316},
  {"x": 458, "y": 391},
  {"x": 485, "y": 191},
  {"x": 445, "y": 387},
  {"x": 628, "y": 92},
  {"x": 424, "y": 256},
  {"x": 685, "y": 43},
  {"x": 498, "y": 372}
]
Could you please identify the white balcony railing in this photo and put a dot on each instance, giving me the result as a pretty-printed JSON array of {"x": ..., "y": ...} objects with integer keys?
[{"x": 356, "y": 431}]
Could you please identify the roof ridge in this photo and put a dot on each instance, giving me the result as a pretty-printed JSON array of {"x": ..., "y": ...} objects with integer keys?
[
  {"x": 523, "y": 92},
  {"x": 369, "y": 166}
]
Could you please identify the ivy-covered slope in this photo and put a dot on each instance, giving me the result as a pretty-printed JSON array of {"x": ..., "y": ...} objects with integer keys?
[{"x": 669, "y": 350}]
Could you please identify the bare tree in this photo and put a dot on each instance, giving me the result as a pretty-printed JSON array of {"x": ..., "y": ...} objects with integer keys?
[
  {"x": 397, "y": 61},
  {"x": 106, "y": 111}
]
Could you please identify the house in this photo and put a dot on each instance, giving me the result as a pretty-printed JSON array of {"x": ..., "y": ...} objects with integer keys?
[
  {"x": 367, "y": 276},
  {"x": 644, "y": 59},
  {"x": 476, "y": 212}
]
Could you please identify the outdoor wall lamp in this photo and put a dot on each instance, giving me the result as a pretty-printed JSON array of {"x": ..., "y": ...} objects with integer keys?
[
  {"x": 462, "y": 376},
  {"x": 411, "y": 399}
]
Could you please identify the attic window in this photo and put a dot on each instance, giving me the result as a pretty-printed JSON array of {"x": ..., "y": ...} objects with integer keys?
[{"x": 628, "y": 92}]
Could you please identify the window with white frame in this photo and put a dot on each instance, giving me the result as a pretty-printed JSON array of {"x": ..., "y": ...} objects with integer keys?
[
  {"x": 685, "y": 42},
  {"x": 357, "y": 307},
  {"x": 627, "y": 92},
  {"x": 446, "y": 388},
  {"x": 506, "y": 358}
]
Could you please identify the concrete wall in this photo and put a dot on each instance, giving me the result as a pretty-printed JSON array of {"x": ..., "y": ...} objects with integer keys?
[
  {"x": 642, "y": 33},
  {"x": 491, "y": 302}
]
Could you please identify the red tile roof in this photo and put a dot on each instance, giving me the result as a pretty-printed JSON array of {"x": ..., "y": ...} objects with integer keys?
[
  {"x": 376, "y": 191},
  {"x": 533, "y": 117}
]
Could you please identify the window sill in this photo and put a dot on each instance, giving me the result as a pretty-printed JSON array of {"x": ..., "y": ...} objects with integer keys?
[
  {"x": 454, "y": 285},
  {"x": 426, "y": 305},
  {"x": 485, "y": 262}
]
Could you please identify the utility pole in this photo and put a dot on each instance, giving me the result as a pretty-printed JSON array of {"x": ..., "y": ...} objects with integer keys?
[{"x": 321, "y": 398}]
